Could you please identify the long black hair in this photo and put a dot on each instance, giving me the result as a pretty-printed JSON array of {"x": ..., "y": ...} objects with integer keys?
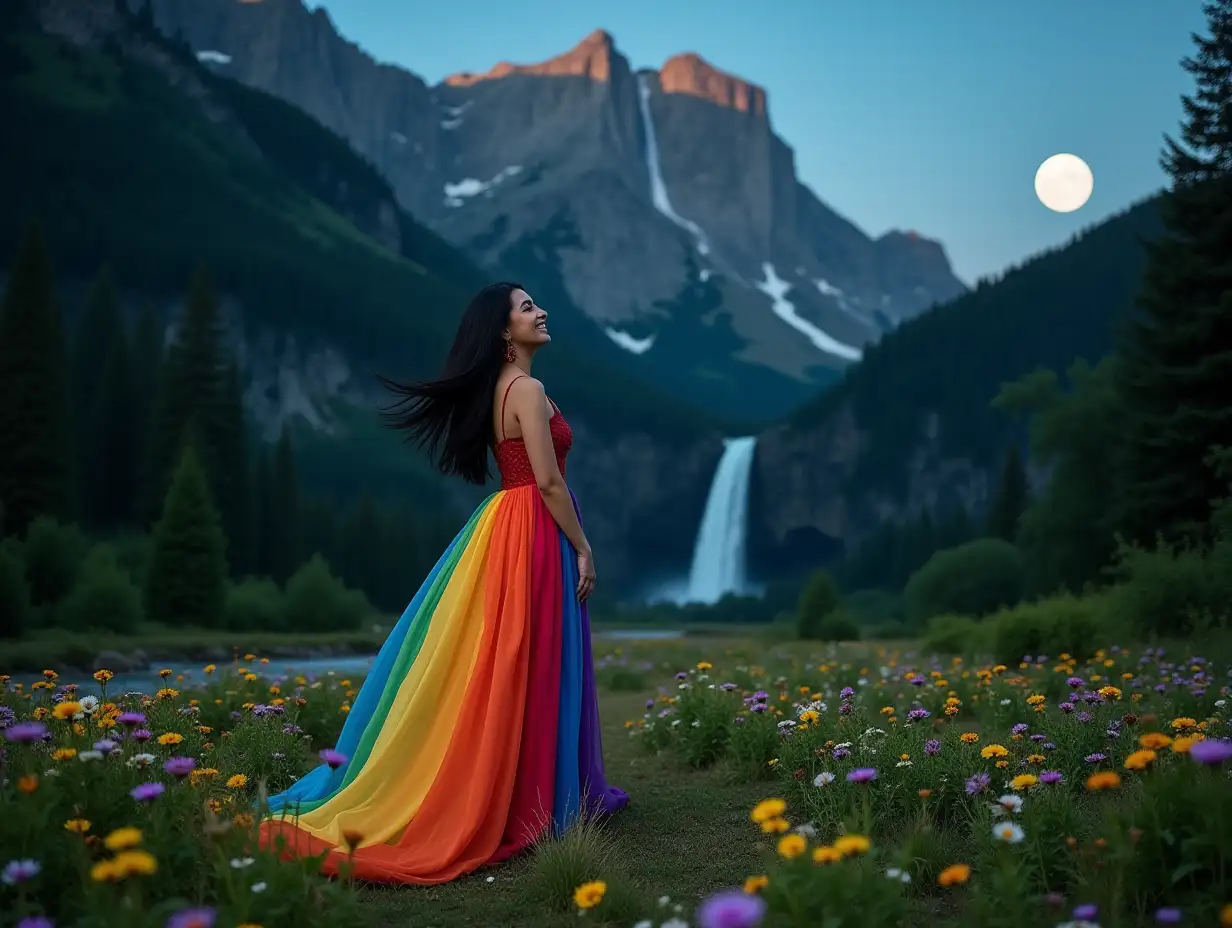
[{"x": 452, "y": 415}]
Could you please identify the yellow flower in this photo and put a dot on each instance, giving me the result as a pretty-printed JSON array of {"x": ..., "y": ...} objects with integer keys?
[
  {"x": 703, "y": 666},
  {"x": 849, "y": 845},
  {"x": 1140, "y": 760},
  {"x": 993, "y": 750},
  {"x": 1182, "y": 745},
  {"x": 826, "y": 855},
  {"x": 1110, "y": 692},
  {"x": 167, "y": 693},
  {"x": 1034, "y": 699},
  {"x": 238, "y": 781},
  {"x": 66, "y": 710},
  {"x": 63, "y": 753},
  {"x": 1023, "y": 781},
  {"x": 756, "y": 883},
  {"x": 969, "y": 737},
  {"x": 79, "y": 825},
  {"x": 122, "y": 839},
  {"x": 954, "y": 875},
  {"x": 209, "y": 668},
  {"x": 768, "y": 809},
  {"x": 103, "y": 676},
  {"x": 1105, "y": 779},
  {"x": 134, "y": 863},
  {"x": 589, "y": 895},
  {"x": 1154, "y": 741},
  {"x": 775, "y": 825},
  {"x": 170, "y": 737},
  {"x": 1184, "y": 723},
  {"x": 792, "y": 845}
]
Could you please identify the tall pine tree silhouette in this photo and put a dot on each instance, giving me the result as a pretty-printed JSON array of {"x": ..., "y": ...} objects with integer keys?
[
  {"x": 114, "y": 436},
  {"x": 36, "y": 456},
  {"x": 1010, "y": 501},
  {"x": 98, "y": 338},
  {"x": 186, "y": 581},
  {"x": 1176, "y": 353},
  {"x": 285, "y": 538}
]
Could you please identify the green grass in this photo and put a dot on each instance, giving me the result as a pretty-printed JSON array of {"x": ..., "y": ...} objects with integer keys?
[{"x": 684, "y": 834}]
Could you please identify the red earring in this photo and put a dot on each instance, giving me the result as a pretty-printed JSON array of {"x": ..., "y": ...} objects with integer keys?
[{"x": 510, "y": 354}]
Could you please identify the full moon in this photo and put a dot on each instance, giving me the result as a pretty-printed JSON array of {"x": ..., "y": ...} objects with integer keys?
[{"x": 1064, "y": 183}]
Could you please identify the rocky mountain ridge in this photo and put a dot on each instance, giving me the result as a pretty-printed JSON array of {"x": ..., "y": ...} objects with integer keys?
[{"x": 661, "y": 204}]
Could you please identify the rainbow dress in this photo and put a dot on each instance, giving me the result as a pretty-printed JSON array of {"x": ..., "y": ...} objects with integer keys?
[{"x": 477, "y": 729}]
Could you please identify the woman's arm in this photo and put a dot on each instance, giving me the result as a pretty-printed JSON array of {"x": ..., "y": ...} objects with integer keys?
[{"x": 529, "y": 404}]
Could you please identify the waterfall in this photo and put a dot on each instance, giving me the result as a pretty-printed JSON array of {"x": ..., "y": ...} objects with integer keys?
[
  {"x": 719, "y": 553},
  {"x": 658, "y": 189}
]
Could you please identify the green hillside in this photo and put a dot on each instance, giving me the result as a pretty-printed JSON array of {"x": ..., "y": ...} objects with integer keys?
[
  {"x": 1061, "y": 305},
  {"x": 122, "y": 168}
]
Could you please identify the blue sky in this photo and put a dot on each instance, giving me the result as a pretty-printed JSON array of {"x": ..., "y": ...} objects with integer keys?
[{"x": 930, "y": 116}]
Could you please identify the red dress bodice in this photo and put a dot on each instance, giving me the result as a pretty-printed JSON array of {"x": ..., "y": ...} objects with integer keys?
[{"x": 513, "y": 461}]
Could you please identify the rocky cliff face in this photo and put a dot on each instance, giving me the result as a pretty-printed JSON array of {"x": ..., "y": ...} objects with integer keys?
[{"x": 666, "y": 178}]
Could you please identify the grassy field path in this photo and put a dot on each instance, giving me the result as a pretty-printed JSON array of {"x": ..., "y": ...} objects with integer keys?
[{"x": 684, "y": 834}]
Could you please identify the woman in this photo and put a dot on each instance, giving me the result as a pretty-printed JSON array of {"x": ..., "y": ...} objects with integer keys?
[{"x": 476, "y": 730}]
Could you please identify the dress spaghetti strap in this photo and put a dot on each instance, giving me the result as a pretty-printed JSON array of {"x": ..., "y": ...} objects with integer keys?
[{"x": 505, "y": 400}]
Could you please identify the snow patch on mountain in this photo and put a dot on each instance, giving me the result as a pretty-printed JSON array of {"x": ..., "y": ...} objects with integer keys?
[
  {"x": 777, "y": 289},
  {"x": 628, "y": 342},
  {"x": 457, "y": 194}
]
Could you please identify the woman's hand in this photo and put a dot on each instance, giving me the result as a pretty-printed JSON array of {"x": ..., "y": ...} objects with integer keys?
[{"x": 586, "y": 574}]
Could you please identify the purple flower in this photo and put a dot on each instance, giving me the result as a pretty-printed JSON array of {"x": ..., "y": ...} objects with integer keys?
[
  {"x": 916, "y": 715},
  {"x": 731, "y": 909},
  {"x": 26, "y": 732},
  {"x": 19, "y": 871},
  {"x": 106, "y": 746},
  {"x": 147, "y": 792},
  {"x": 840, "y": 753},
  {"x": 862, "y": 775},
  {"x": 1095, "y": 758},
  {"x": 1084, "y": 717},
  {"x": 131, "y": 718},
  {"x": 932, "y": 747},
  {"x": 1086, "y": 912},
  {"x": 978, "y": 783},
  {"x": 7, "y": 716},
  {"x": 1211, "y": 751},
  {"x": 180, "y": 766},
  {"x": 192, "y": 918},
  {"x": 1168, "y": 915},
  {"x": 1020, "y": 729},
  {"x": 1075, "y": 682},
  {"x": 1066, "y": 707},
  {"x": 844, "y": 708},
  {"x": 36, "y": 921},
  {"x": 291, "y": 729},
  {"x": 1051, "y": 776},
  {"x": 333, "y": 758},
  {"x": 142, "y": 734},
  {"x": 846, "y": 692}
]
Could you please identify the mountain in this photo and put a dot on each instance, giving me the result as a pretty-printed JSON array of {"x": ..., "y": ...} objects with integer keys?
[
  {"x": 910, "y": 427},
  {"x": 660, "y": 205},
  {"x": 133, "y": 154}
]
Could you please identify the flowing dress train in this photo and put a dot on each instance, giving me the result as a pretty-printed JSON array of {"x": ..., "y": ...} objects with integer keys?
[{"x": 477, "y": 729}]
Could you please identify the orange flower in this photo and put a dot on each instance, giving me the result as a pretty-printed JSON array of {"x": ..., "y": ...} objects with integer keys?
[{"x": 954, "y": 875}]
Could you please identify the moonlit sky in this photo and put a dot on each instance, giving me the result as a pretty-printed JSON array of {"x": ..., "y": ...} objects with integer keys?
[{"x": 929, "y": 116}]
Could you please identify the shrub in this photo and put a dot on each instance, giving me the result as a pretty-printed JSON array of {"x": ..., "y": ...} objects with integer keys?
[
  {"x": 255, "y": 605},
  {"x": 818, "y": 600},
  {"x": 974, "y": 579},
  {"x": 955, "y": 634},
  {"x": 317, "y": 601},
  {"x": 53, "y": 554},
  {"x": 1169, "y": 591},
  {"x": 1060, "y": 624},
  {"x": 839, "y": 626},
  {"x": 14, "y": 593},
  {"x": 104, "y": 597}
]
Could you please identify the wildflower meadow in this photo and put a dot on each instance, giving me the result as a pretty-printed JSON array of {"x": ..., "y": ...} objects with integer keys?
[{"x": 772, "y": 786}]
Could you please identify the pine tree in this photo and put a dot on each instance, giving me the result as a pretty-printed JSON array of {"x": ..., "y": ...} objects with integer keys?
[
  {"x": 36, "y": 461},
  {"x": 147, "y": 361},
  {"x": 99, "y": 337},
  {"x": 190, "y": 397},
  {"x": 114, "y": 443},
  {"x": 263, "y": 514},
  {"x": 233, "y": 479},
  {"x": 186, "y": 581},
  {"x": 1175, "y": 357},
  {"x": 1010, "y": 500},
  {"x": 286, "y": 539}
]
